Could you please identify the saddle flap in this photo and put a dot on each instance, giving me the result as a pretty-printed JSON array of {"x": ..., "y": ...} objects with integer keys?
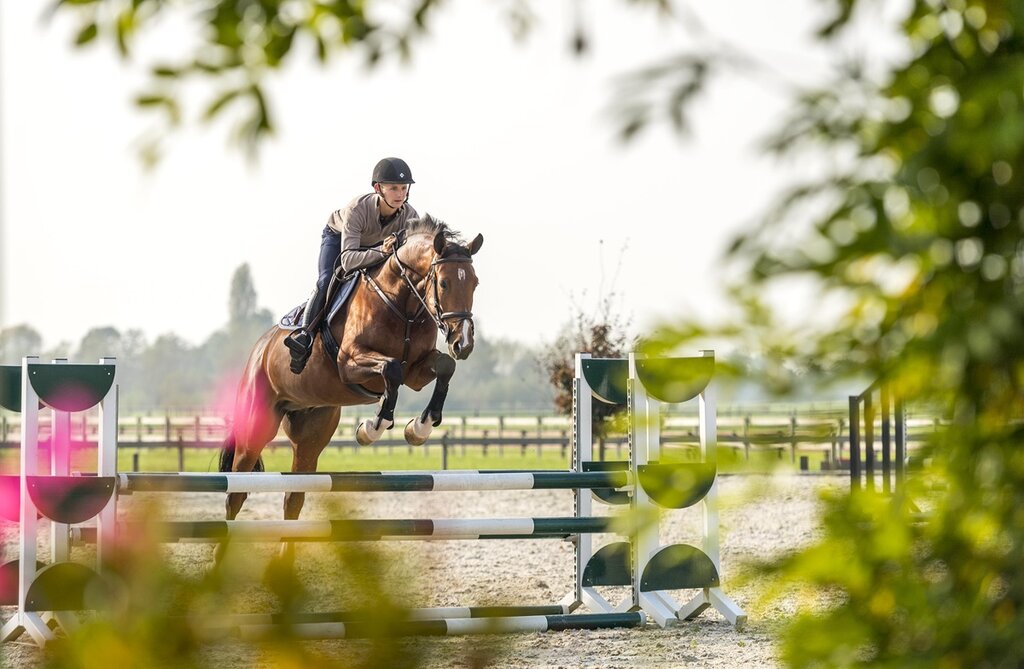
[{"x": 293, "y": 319}]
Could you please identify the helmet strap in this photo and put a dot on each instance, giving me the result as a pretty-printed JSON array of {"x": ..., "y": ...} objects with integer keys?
[{"x": 380, "y": 194}]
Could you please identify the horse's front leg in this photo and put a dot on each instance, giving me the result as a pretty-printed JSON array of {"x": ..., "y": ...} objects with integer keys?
[
  {"x": 436, "y": 365},
  {"x": 365, "y": 367}
]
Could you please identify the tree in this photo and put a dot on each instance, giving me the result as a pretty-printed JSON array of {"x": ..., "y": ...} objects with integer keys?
[
  {"x": 225, "y": 351},
  {"x": 919, "y": 233},
  {"x": 18, "y": 341},
  {"x": 241, "y": 42},
  {"x": 603, "y": 335},
  {"x": 242, "y": 301},
  {"x": 98, "y": 343}
]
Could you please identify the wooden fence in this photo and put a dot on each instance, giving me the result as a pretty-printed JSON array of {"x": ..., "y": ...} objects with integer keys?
[{"x": 747, "y": 432}]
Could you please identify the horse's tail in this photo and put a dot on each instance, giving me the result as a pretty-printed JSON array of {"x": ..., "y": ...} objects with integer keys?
[{"x": 227, "y": 455}]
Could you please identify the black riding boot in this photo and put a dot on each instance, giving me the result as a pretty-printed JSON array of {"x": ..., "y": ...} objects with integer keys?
[{"x": 300, "y": 342}]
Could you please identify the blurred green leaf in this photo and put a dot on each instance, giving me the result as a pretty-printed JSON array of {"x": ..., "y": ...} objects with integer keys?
[{"x": 86, "y": 34}]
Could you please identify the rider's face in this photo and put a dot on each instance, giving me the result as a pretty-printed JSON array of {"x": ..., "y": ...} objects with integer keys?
[{"x": 393, "y": 194}]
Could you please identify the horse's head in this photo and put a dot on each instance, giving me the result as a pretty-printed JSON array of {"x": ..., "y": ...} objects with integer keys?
[
  {"x": 449, "y": 280},
  {"x": 452, "y": 292}
]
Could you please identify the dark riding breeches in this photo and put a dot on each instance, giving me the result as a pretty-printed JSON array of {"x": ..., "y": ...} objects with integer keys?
[{"x": 330, "y": 251}]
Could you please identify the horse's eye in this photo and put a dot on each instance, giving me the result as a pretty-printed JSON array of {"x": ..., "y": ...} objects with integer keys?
[{"x": 444, "y": 284}]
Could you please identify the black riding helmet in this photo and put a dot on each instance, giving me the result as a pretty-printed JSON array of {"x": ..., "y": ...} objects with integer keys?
[{"x": 392, "y": 171}]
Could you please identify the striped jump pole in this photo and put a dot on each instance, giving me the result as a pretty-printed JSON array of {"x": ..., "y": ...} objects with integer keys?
[
  {"x": 430, "y": 613},
  {"x": 443, "y": 627},
  {"x": 209, "y": 531},
  {"x": 450, "y": 481}
]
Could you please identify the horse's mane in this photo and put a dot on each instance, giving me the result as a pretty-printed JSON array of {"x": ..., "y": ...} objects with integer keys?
[{"x": 428, "y": 225}]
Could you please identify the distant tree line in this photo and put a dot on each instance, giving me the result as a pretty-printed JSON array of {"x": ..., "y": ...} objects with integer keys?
[
  {"x": 502, "y": 375},
  {"x": 169, "y": 373}
]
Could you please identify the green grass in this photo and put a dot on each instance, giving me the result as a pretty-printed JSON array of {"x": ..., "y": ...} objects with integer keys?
[{"x": 420, "y": 458}]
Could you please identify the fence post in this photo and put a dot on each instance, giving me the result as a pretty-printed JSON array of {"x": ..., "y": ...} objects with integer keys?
[
  {"x": 837, "y": 445},
  {"x": 484, "y": 444},
  {"x": 746, "y": 437},
  {"x": 540, "y": 434},
  {"x": 792, "y": 437},
  {"x": 181, "y": 454},
  {"x": 444, "y": 450},
  {"x": 199, "y": 428},
  {"x": 522, "y": 446},
  {"x": 135, "y": 461},
  {"x": 565, "y": 444},
  {"x": 167, "y": 428}
]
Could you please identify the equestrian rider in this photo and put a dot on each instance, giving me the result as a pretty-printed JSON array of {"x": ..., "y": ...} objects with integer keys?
[{"x": 360, "y": 235}]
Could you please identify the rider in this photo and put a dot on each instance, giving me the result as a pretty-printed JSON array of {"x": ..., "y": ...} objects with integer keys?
[{"x": 360, "y": 235}]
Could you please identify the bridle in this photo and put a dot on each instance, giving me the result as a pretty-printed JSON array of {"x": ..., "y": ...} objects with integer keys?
[{"x": 438, "y": 315}]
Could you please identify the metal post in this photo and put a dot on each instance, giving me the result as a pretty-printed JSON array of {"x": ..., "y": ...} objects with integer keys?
[
  {"x": 24, "y": 620},
  {"x": 106, "y": 465},
  {"x": 869, "y": 441},
  {"x": 886, "y": 442},
  {"x": 901, "y": 443},
  {"x": 854, "y": 442},
  {"x": 60, "y": 465}
]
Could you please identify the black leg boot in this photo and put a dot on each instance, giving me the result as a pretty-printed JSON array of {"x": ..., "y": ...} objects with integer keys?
[{"x": 300, "y": 342}]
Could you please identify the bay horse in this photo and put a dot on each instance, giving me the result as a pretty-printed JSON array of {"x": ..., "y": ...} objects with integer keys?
[{"x": 386, "y": 335}]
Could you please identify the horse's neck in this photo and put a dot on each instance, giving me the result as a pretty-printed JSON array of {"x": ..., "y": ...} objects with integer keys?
[{"x": 388, "y": 275}]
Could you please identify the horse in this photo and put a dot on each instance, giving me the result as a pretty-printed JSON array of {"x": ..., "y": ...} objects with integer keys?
[{"x": 386, "y": 337}]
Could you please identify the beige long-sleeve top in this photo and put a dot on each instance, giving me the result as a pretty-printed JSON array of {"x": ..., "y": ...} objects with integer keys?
[{"x": 359, "y": 225}]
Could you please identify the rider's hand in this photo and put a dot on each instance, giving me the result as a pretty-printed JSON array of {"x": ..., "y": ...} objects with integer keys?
[{"x": 387, "y": 247}]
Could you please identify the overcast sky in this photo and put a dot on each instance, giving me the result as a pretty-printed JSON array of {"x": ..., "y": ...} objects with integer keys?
[{"x": 512, "y": 140}]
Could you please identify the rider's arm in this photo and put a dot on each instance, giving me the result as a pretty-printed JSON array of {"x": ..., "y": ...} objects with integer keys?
[{"x": 352, "y": 222}]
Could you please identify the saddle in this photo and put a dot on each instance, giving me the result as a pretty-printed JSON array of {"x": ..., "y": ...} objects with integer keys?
[{"x": 338, "y": 293}]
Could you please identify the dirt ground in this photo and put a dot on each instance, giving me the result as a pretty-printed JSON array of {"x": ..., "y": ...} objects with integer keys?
[{"x": 760, "y": 517}]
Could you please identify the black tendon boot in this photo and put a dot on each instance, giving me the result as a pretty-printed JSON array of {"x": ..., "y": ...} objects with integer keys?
[{"x": 300, "y": 342}]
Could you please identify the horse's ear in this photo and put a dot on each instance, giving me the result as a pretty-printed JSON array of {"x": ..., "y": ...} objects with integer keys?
[
  {"x": 475, "y": 245},
  {"x": 439, "y": 243}
]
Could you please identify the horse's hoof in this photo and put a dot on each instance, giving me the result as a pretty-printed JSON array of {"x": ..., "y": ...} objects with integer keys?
[
  {"x": 416, "y": 433},
  {"x": 366, "y": 433}
]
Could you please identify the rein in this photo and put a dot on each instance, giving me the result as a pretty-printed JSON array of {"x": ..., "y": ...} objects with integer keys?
[{"x": 438, "y": 318}]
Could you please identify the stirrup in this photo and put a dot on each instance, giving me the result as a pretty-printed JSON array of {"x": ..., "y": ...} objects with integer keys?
[
  {"x": 299, "y": 361},
  {"x": 299, "y": 341}
]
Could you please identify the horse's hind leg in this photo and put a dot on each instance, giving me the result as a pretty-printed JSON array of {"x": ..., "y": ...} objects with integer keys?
[
  {"x": 257, "y": 421},
  {"x": 441, "y": 366},
  {"x": 309, "y": 431}
]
